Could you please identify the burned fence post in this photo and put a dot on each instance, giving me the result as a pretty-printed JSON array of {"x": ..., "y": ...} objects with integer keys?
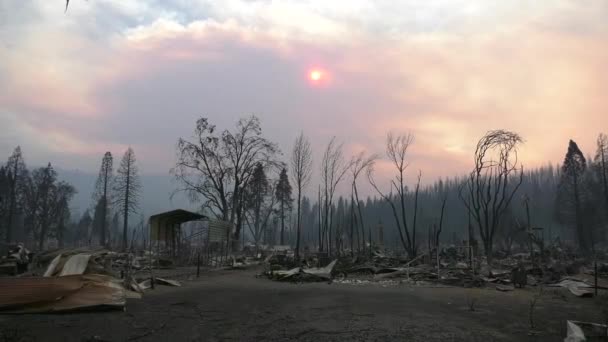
[
  {"x": 595, "y": 274},
  {"x": 198, "y": 264}
]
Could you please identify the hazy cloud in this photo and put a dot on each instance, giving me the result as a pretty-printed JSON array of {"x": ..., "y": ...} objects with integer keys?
[{"x": 114, "y": 73}]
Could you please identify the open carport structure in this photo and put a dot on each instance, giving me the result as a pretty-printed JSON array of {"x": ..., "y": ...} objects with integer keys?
[{"x": 165, "y": 228}]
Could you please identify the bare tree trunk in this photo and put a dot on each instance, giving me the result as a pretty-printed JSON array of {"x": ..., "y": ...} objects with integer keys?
[
  {"x": 320, "y": 247},
  {"x": 604, "y": 170},
  {"x": 414, "y": 244},
  {"x": 298, "y": 223},
  {"x": 352, "y": 225},
  {"x": 438, "y": 233},
  {"x": 577, "y": 213},
  {"x": 12, "y": 203},
  {"x": 43, "y": 229},
  {"x": 126, "y": 208},
  {"x": 330, "y": 230},
  {"x": 360, "y": 215},
  {"x": 282, "y": 223},
  {"x": 326, "y": 204},
  {"x": 102, "y": 233}
]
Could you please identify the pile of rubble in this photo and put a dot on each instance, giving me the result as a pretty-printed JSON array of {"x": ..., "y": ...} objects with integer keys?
[
  {"x": 77, "y": 279},
  {"x": 16, "y": 260},
  {"x": 585, "y": 331},
  {"x": 301, "y": 274},
  {"x": 505, "y": 274}
]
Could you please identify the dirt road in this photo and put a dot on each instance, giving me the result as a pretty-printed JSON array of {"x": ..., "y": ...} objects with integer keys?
[{"x": 237, "y": 306}]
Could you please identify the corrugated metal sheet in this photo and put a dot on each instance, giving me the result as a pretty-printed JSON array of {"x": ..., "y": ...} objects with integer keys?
[
  {"x": 219, "y": 230},
  {"x": 56, "y": 294},
  {"x": 76, "y": 264},
  {"x": 163, "y": 226}
]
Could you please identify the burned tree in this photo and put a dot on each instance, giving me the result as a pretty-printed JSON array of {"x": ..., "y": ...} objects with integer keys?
[
  {"x": 44, "y": 182},
  {"x": 396, "y": 151},
  {"x": 83, "y": 226},
  {"x": 360, "y": 163},
  {"x": 283, "y": 195},
  {"x": 333, "y": 169},
  {"x": 490, "y": 187},
  {"x": 570, "y": 194},
  {"x": 3, "y": 192},
  {"x": 218, "y": 167},
  {"x": 15, "y": 172},
  {"x": 259, "y": 203},
  {"x": 601, "y": 167},
  {"x": 102, "y": 193},
  {"x": 301, "y": 170},
  {"x": 127, "y": 188},
  {"x": 45, "y": 205},
  {"x": 63, "y": 194},
  {"x": 438, "y": 227}
]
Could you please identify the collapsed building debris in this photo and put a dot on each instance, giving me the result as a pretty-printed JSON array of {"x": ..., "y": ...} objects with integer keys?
[
  {"x": 93, "y": 261},
  {"x": 584, "y": 331},
  {"x": 506, "y": 274},
  {"x": 147, "y": 283},
  {"x": 577, "y": 288},
  {"x": 75, "y": 279},
  {"x": 299, "y": 274},
  {"x": 16, "y": 260},
  {"x": 64, "y": 293},
  {"x": 505, "y": 288}
]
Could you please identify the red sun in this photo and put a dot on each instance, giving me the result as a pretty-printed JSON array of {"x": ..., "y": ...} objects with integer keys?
[{"x": 316, "y": 75}]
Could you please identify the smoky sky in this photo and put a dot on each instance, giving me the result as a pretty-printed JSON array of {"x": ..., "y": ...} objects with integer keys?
[{"x": 111, "y": 74}]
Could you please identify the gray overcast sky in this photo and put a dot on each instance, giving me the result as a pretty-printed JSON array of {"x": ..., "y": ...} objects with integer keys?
[{"x": 113, "y": 73}]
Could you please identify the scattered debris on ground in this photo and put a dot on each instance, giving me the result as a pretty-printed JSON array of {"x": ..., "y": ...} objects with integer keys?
[
  {"x": 147, "y": 283},
  {"x": 505, "y": 274},
  {"x": 76, "y": 279},
  {"x": 63, "y": 293},
  {"x": 96, "y": 278},
  {"x": 584, "y": 331},
  {"x": 301, "y": 274},
  {"x": 16, "y": 260}
]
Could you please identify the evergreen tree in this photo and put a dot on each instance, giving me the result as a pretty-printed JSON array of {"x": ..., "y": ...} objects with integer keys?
[
  {"x": 127, "y": 189},
  {"x": 570, "y": 206},
  {"x": 601, "y": 168},
  {"x": 15, "y": 173},
  {"x": 283, "y": 194},
  {"x": 3, "y": 193},
  {"x": 101, "y": 195},
  {"x": 61, "y": 210},
  {"x": 259, "y": 202},
  {"x": 44, "y": 180}
]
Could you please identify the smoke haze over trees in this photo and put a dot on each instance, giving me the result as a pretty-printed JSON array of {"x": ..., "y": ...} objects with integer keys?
[{"x": 240, "y": 176}]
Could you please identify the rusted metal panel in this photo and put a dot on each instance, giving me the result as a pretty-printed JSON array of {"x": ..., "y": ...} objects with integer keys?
[{"x": 58, "y": 294}]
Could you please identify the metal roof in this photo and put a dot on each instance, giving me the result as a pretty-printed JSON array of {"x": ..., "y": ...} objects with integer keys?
[
  {"x": 177, "y": 216},
  {"x": 163, "y": 225}
]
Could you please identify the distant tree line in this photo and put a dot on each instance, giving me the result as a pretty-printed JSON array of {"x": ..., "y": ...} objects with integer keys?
[
  {"x": 239, "y": 176},
  {"x": 35, "y": 205},
  {"x": 242, "y": 177}
]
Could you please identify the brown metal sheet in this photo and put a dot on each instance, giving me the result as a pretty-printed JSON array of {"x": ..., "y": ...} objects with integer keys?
[{"x": 57, "y": 294}]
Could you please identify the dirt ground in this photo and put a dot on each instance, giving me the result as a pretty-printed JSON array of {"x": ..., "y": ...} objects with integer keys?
[{"x": 237, "y": 306}]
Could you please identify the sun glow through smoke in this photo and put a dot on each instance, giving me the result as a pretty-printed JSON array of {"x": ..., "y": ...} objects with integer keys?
[{"x": 315, "y": 75}]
